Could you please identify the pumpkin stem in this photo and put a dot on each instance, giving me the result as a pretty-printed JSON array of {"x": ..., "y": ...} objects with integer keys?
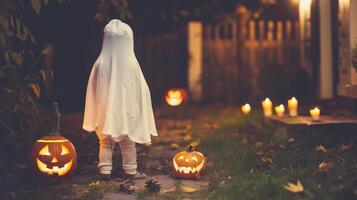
[
  {"x": 190, "y": 148},
  {"x": 56, "y": 130}
]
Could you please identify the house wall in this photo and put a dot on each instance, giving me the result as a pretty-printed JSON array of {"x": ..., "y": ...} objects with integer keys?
[
  {"x": 326, "y": 61},
  {"x": 347, "y": 38}
]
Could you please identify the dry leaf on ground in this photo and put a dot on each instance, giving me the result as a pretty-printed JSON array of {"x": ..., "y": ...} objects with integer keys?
[
  {"x": 320, "y": 148},
  {"x": 294, "y": 188},
  {"x": 258, "y": 144},
  {"x": 188, "y": 189},
  {"x": 267, "y": 160},
  {"x": 324, "y": 166},
  {"x": 210, "y": 125},
  {"x": 174, "y": 145},
  {"x": 291, "y": 140},
  {"x": 167, "y": 190},
  {"x": 345, "y": 147},
  {"x": 94, "y": 183}
]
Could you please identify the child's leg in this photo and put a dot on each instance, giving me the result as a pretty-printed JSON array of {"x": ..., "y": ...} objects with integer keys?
[
  {"x": 128, "y": 153},
  {"x": 106, "y": 146}
]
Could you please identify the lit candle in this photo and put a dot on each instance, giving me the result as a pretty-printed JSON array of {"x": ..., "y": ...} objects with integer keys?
[
  {"x": 246, "y": 108},
  {"x": 280, "y": 110},
  {"x": 267, "y": 107},
  {"x": 293, "y": 107},
  {"x": 315, "y": 113}
]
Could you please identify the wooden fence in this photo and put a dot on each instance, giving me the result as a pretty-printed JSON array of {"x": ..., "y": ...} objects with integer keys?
[
  {"x": 163, "y": 59},
  {"x": 233, "y": 54}
]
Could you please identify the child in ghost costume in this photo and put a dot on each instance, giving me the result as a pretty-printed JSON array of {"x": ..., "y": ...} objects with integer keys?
[{"x": 118, "y": 105}]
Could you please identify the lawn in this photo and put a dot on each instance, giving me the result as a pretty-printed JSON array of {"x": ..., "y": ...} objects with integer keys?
[
  {"x": 252, "y": 158},
  {"x": 249, "y": 157}
]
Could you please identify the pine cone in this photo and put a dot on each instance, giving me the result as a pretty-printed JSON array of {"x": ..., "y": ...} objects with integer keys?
[{"x": 152, "y": 185}]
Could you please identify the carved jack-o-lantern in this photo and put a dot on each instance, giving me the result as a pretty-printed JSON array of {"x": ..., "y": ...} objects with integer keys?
[
  {"x": 175, "y": 96},
  {"x": 189, "y": 164},
  {"x": 54, "y": 155}
]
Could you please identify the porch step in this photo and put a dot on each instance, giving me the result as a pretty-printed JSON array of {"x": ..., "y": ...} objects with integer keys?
[{"x": 307, "y": 121}]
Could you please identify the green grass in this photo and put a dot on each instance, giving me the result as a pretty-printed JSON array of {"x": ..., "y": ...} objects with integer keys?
[
  {"x": 238, "y": 172},
  {"x": 238, "y": 149}
]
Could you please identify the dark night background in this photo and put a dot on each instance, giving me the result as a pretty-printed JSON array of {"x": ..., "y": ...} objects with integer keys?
[{"x": 76, "y": 35}]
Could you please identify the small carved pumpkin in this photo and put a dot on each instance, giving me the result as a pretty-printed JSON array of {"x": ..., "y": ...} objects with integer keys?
[
  {"x": 54, "y": 155},
  {"x": 189, "y": 164},
  {"x": 175, "y": 96}
]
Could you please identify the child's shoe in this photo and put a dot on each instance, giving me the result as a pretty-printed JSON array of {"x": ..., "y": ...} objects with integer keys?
[{"x": 138, "y": 175}]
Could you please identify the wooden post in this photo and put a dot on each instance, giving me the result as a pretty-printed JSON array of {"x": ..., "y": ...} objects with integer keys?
[
  {"x": 353, "y": 36},
  {"x": 270, "y": 31},
  {"x": 326, "y": 65},
  {"x": 251, "y": 30},
  {"x": 195, "y": 60},
  {"x": 288, "y": 30}
]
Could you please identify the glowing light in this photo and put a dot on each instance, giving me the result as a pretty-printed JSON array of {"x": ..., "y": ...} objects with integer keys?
[
  {"x": 246, "y": 108},
  {"x": 293, "y": 106},
  {"x": 279, "y": 110},
  {"x": 60, "y": 171},
  {"x": 305, "y": 9},
  {"x": 175, "y": 97},
  {"x": 267, "y": 107},
  {"x": 315, "y": 113}
]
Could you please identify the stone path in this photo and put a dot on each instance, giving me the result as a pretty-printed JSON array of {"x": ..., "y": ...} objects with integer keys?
[{"x": 155, "y": 160}]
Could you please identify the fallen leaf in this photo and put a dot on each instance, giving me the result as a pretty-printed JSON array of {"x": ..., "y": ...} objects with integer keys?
[
  {"x": 345, "y": 147},
  {"x": 36, "y": 89},
  {"x": 127, "y": 187},
  {"x": 324, "y": 166},
  {"x": 291, "y": 140},
  {"x": 258, "y": 144},
  {"x": 211, "y": 125},
  {"x": 174, "y": 145},
  {"x": 168, "y": 190},
  {"x": 94, "y": 183},
  {"x": 320, "y": 148},
  {"x": 267, "y": 160},
  {"x": 188, "y": 189},
  {"x": 159, "y": 148},
  {"x": 294, "y": 188}
]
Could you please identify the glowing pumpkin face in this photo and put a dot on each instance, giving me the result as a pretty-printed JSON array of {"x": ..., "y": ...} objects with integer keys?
[
  {"x": 54, "y": 155},
  {"x": 175, "y": 97},
  {"x": 189, "y": 164}
]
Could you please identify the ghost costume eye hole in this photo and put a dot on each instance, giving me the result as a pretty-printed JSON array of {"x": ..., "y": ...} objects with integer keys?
[
  {"x": 44, "y": 151},
  {"x": 64, "y": 151}
]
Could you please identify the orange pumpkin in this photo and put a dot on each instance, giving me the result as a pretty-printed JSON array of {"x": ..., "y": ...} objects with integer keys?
[
  {"x": 175, "y": 96},
  {"x": 189, "y": 164},
  {"x": 54, "y": 155}
]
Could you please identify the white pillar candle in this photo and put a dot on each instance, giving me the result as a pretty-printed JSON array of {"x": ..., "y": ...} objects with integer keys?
[
  {"x": 315, "y": 113},
  {"x": 246, "y": 108},
  {"x": 267, "y": 107},
  {"x": 279, "y": 110},
  {"x": 293, "y": 107}
]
